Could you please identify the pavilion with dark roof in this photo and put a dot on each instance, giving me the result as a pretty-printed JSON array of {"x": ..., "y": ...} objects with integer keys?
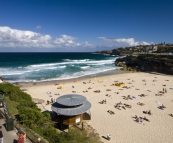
[{"x": 72, "y": 109}]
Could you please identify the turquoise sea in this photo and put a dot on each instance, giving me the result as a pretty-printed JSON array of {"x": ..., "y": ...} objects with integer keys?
[{"x": 32, "y": 67}]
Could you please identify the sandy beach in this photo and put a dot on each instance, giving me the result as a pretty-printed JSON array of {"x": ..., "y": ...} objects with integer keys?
[{"x": 121, "y": 125}]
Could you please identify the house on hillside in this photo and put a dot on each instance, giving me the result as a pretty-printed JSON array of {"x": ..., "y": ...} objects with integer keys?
[
  {"x": 162, "y": 48},
  {"x": 149, "y": 49},
  {"x": 154, "y": 48},
  {"x": 165, "y": 48}
]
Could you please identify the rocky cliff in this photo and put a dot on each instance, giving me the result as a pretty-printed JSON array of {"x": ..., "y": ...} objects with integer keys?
[
  {"x": 111, "y": 52},
  {"x": 149, "y": 63}
]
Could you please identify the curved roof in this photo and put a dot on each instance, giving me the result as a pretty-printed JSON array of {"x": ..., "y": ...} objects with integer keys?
[
  {"x": 71, "y": 100},
  {"x": 61, "y": 110}
]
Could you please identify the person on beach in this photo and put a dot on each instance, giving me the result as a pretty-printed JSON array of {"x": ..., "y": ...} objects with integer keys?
[
  {"x": 21, "y": 138},
  {"x": 1, "y": 135},
  {"x": 149, "y": 112},
  {"x": 146, "y": 119},
  {"x": 51, "y": 100},
  {"x": 47, "y": 102},
  {"x": 162, "y": 107},
  {"x": 163, "y": 90}
]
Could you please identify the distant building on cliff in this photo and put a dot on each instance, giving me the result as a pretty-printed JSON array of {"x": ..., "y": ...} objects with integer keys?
[{"x": 159, "y": 48}]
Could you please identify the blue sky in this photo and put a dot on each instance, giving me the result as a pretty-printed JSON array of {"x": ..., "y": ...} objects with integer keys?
[{"x": 83, "y": 25}]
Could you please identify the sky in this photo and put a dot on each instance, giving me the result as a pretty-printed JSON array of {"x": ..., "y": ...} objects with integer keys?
[{"x": 83, "y": 25}]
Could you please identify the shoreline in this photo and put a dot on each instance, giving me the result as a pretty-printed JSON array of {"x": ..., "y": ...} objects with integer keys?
[
  {"x": 120, "y": 124},
  {"x": 107, "y": 73}
]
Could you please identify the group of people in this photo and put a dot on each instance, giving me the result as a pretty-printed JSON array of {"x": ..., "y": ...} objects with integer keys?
[
  {"x": 147, "y": 112},
  {"x": 162, "y": 107},
  {"x": 126, "y": 87},
  {"x": 124, "y": 106},
  {"x": 103, "y": 102},
  {"x": 140, "y": 119},
  {"x": 127, "y": 97},
  {"x": 161, "y": 93},
  {"x": 85, "y": 91},
  {"x": 117, "y": 92},
  {"x": 50, "y": 102},
  {"x": 127, "y": 105}
]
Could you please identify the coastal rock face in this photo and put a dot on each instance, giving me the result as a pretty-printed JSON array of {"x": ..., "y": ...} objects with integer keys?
[
  {"x": 151, "y": 63},
  {"x": 115, "y": 52},
  {"x": 104, "y": 52},
  {"x": 111, "y": 52},
  {"x": 121, "y": 64}
]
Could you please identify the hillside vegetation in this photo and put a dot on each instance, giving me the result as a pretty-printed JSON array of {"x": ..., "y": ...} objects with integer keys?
[{"x": 22, "y": 108}]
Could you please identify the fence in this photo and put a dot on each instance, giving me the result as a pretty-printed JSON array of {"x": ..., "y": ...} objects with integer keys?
[
  {"x": 169, "y": 54},
  {"x": 33, "y": 137},
  {"x": 29, "y": 133},
  {"x": 6, "y": 112}
]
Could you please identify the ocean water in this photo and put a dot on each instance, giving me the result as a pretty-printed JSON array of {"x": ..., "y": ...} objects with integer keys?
[{"x": 33, "y": 67}]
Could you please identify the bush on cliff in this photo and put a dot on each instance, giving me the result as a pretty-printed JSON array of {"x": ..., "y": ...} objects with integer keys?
[{"x": 31, "y": 116}]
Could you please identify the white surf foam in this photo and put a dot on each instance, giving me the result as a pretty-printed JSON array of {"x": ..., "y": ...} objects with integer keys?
[
  {"x": 97, "y": 64},
  {"x": 89, "y": 67},
  {"x": 83, "y": 60},
  {"x": 61, "y": 67},
  {"x": 80, "y": 74},
  {"x": 85, "y": 67}
]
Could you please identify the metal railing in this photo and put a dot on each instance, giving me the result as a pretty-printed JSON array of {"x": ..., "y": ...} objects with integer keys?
[
  {"x": 31, "y": 135},
  {"x": 170, "y": 54},
  {"x": 6, "y": 112}
]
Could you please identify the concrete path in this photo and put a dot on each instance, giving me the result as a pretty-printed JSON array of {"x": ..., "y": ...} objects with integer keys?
[{"x": 10, "y": 136}]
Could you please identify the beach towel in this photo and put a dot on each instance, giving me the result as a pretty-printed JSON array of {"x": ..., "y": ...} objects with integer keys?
[{"x": 158, "y": 102}]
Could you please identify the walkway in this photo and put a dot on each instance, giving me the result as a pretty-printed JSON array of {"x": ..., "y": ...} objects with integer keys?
[{"x": 10, "y": 136}]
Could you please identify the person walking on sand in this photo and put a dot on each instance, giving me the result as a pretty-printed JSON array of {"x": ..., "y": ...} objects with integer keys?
[{"x": 1, "y": 135}]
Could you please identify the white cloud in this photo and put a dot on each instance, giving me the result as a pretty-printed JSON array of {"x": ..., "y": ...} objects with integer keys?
[
  {"x": 123, "y": 41},
  {"x": 14, "y": 38},
  {"x": 65, "y": 40},
  {"x": 38, "y": 27},
  {"x": 18, "y": 38}
]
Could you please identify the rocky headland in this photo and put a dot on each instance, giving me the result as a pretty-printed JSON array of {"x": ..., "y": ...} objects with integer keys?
[{"x": 147, "y": 63}]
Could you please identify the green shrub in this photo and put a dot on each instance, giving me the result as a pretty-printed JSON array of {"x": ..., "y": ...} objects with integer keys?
[{"x": 31, "y": 116}]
